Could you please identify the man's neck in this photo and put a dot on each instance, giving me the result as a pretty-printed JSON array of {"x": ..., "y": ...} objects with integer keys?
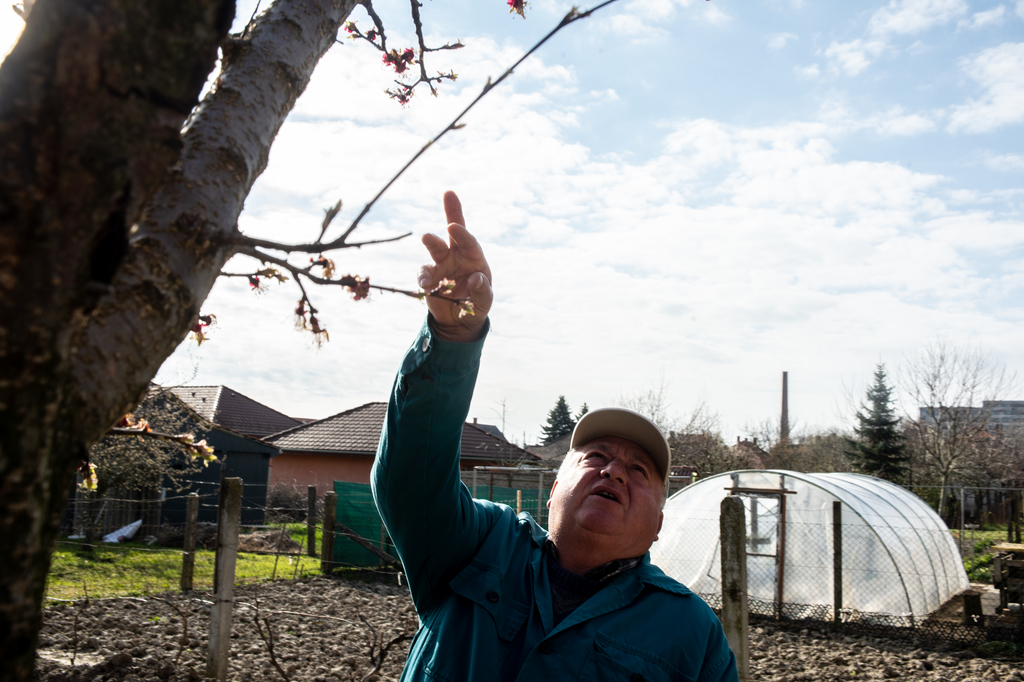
[{"x": 581, "y": 565}]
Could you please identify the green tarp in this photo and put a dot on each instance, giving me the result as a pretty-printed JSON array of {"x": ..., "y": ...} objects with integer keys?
[{"x": 356, "y": 510}]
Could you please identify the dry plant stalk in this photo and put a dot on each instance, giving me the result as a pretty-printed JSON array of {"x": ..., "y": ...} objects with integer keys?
[
  {"x": 268, "y": 638},
  {"x": 183, "y": 640},
  {"x": 378, "y": 649}
]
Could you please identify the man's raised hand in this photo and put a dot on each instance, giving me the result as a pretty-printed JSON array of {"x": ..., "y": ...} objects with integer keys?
[{"x": 462, "y": 262}]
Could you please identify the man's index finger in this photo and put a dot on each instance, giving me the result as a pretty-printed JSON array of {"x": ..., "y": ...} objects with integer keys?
[{"x": 453, "y": 209}]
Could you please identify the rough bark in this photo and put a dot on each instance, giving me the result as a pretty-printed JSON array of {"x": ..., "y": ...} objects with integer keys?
[{"x": 112, "y": 222}]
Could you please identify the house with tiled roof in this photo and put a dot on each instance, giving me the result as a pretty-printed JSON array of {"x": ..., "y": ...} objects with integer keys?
[
  {"x": 554, "y": 452},
  {"x": 342, "y": 448},
  {"x": 230, "y": 409}
]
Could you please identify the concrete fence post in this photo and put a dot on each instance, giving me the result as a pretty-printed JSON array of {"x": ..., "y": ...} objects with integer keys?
[
  {"x": 311, "y": 522},
  {"x": 837, "y": 562},
  {"x": 188, "y": 555},
  {"x": 327, "y": 534},
  {"x": 735, "y": 615},
  {"x": 229, "y": 517}
]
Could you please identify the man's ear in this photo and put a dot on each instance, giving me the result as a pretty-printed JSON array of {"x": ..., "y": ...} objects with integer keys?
[
  {"x": 552, "y": 493},
  {"x": 661, "y": 519}
]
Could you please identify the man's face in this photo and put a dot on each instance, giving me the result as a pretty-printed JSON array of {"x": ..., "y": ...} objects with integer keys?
[{"x": 608, "y": 498}]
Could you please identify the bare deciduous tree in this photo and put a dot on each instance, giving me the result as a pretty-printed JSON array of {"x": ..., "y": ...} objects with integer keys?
[
  {"x": 949, "y": 385},
  {"x": 695, "y": 438}
]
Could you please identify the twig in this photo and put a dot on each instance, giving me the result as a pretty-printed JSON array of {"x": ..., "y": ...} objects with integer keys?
[
  {"x": 573, "y": 16},
  {"x": 346, "y": 281},
  {"x": 74, "y": 625},
  {"x": 184, "y": 627},
  {"x": 366, "y": 544},
  {"x": 268, "y": 639},
  {"x": 379, "y": 650},
  {"x": 376, "y": 22},
  {"x": 298, "y": 613}
]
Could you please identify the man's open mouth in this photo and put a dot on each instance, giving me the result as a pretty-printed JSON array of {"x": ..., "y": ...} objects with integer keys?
[{"x": 606, "y": 494}]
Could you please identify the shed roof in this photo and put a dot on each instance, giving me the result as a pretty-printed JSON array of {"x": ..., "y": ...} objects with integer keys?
[
  {"x": 552, "y": 451},
  {"x": 357, "y": 432},
  {"x": 232, "y": 410}
]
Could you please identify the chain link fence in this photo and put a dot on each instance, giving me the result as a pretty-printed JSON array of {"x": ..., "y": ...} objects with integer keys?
[{"x": 121, "y": 546}]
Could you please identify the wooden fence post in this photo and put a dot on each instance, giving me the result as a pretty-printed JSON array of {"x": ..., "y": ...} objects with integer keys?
[
  {"x": 837, "y": 561},
  {"x": 735, "y": 616},
  {"x": 188, "y": 556},
  {"x": 311, "y": 522},
  {"x": 327, "y": 534},
  {"x": 229, "y": 518}
]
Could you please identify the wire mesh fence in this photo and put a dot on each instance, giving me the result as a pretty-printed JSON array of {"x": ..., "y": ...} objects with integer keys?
[
  {"x": 888, "y": 577},
  {"x": 94, "y": 558}
]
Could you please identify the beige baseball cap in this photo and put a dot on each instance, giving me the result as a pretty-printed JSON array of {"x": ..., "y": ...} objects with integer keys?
[{"x": 618, "y": 421}]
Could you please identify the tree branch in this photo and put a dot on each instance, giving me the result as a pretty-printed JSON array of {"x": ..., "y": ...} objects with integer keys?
[{"x": 318, "y": 247}]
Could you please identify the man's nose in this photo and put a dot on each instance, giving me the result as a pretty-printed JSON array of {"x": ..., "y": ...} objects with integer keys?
[{"x": 614, "y": 470}]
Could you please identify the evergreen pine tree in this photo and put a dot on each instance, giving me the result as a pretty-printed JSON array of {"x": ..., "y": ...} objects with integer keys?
[
  {"x": 559, "y": 422},
  {"x": 583, "y": 411},
  {"x": 879, "y": 448}
]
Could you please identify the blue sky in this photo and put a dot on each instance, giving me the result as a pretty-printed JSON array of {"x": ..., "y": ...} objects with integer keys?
[{"x": 700, "y": 194}]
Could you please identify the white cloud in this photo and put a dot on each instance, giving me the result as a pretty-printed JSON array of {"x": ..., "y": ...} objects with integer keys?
[
  {"x": 854, "y": 56},
  {"x": 810, "y": 72},
  {"x": 714, "y": 15},
  {"x": 1020, "y": 8},
  {"x": 895, "y": 122},
  {"x": 1005, "y": 162},
  {"x": 1000, "y": 73},
  {"x": 777, "y": 41},
  {"x": 992, "y": 17},
  {"x": 908, "y": 17}
]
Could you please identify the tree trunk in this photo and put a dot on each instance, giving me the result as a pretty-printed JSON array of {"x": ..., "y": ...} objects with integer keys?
[{"x": 112, "y": 222}]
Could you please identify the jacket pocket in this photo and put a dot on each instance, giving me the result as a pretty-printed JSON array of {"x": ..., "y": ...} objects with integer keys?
[
  {"x": 482, "y": 584},
  {"x": 615, "y": 661}
]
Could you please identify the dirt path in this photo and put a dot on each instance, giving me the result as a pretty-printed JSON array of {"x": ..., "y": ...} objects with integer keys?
[{"x": 323, "y": 638}]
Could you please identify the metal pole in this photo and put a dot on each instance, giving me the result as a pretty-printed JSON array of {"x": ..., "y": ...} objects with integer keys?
[
  {"x": 474, "y": 482},
  {"x": 837, "y": 561},
  {"x": 311, "y": 521},
  {"x": 963, "y": 500},
  {"x": 781, "y": 554}
]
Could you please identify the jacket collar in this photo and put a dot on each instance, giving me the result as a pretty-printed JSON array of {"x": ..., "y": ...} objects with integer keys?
[{"x": 648, "y": 573}]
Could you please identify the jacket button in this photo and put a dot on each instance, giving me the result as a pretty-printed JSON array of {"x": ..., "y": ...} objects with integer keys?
[
  {"x": 426, "y": 344},
  {"x": 492, "y": 597},
  {"x": 637, "y": 678},
  {"x": 545, "y": 647}
]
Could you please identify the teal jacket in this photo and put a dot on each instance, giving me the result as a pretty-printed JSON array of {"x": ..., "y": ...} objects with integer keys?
[{"x": 477, "y": 572}]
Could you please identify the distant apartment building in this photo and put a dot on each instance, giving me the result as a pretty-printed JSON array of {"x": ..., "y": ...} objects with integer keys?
[{"x": 1004, "y": 415}]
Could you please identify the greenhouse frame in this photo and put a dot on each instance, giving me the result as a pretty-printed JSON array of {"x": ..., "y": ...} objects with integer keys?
[{"x": 896, "y": 562}]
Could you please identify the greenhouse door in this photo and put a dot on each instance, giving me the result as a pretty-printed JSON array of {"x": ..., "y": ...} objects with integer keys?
[{"x": 765, "y": 550}]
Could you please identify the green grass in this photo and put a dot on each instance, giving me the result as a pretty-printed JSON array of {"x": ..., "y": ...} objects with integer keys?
[
  {"x": 132, "y": 569},
  {"x": 979, "y": 568},
  {"x": 1001, "y": 649}
]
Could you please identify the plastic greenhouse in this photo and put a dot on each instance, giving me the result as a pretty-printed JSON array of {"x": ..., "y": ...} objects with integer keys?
[{"x": 899, "y": 561}]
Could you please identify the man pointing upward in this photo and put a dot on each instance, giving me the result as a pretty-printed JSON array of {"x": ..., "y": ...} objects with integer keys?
[{"x": 498, "y": 598}]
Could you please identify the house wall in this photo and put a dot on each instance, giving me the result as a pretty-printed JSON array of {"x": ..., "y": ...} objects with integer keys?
[{"x": 304, "y": 469}]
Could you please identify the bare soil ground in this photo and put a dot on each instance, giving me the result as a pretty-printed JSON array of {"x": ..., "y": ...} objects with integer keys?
[{"x": 330, "y": 630}]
